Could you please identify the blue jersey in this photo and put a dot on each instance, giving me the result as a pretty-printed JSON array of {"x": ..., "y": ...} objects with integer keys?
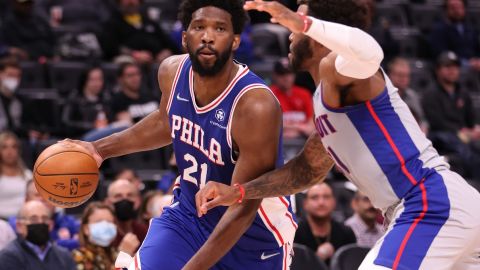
[{"x": 204, "y": 151}]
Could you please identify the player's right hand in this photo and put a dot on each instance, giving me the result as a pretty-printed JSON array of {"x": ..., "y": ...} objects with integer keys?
[
  {"x": 89, "y": 146},
  {"x": 215, "y": 194}
]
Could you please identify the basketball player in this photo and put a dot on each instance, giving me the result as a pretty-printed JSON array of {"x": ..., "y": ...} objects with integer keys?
[
  {"x": 225, "y": 124},
  {"x": 371, "y": 135}
]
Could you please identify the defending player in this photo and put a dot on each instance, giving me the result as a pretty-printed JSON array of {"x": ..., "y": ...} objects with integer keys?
[
  {"x": 225, "y": 124},
  {"x": 371, "y": 135}
]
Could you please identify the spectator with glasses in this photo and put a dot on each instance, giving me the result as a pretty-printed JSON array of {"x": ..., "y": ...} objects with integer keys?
[{"x": 33, "y": 249}]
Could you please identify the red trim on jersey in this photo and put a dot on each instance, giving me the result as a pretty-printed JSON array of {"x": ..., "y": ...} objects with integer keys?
[
  {"x": 410, "y": 178},
  {"x": 219, "y": 98},
  {"x": 392, "y": 144},
  {"x": 285, "y": 254},
  {"x": 288, "y": 214},
  {"x": 274, "y": 229},
  {"x": 175, "y": 81},
  {"x": 136, "y": 262},
  {"x": 412, "y": 227}
]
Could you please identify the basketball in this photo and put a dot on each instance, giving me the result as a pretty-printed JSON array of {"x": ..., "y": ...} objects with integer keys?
[{"x": 66, "y": 175}]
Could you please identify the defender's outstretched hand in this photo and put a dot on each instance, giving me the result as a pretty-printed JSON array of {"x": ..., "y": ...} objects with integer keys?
[
  {"x": 215, "y": 194},
  {"x": 280, "y": 14}
]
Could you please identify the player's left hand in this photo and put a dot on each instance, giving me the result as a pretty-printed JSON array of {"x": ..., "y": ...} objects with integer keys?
[
  {"x": 280, "y": 14},
  {"x": 215, "y": 194}
]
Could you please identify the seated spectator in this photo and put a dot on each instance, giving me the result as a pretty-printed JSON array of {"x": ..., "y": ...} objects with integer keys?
[
  {"x": 130, "y": 32},
  {"x": 33, "y": 249},
  {"x": 364, "y": 221},
  {"x": 130, "y": 105},
  {"x": 152, "y": 206},
  {"x": 65, "y": 227},
  {"x": 125, "y": 199},
  {"x": 25, "y": 29},
  {"x": 88, "y": 107},
  {"x": 7, "y": 234},
  {"x": 13, "y": 175},
  {"x": 296, "y": 102},
  {"x": 449, "y": 111},
  {"x": 131, "y": 176},
  {"x": 455, "y": 33},
  {"x": 399, "y": 73},
  {"x": 318, "y": 230},
  {"x": 97, "y": 232},
  {"x": 10, "y": 105}
]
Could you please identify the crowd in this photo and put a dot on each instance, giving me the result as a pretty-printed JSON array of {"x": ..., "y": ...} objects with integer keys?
[{"x": 133, "y": 37}]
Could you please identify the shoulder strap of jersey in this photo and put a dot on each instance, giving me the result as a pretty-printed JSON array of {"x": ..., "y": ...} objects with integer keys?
[{"x": 180, "y": 68}]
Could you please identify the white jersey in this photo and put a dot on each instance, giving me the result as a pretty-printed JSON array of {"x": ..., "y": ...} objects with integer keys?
[{"x": 378, "y": 145}]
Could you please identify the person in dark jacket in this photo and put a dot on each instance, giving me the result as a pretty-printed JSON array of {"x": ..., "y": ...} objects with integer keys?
[{"x": 32, "y": 249}]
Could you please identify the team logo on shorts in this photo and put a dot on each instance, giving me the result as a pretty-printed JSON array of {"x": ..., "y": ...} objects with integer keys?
[{"x": 220, "y": 115}]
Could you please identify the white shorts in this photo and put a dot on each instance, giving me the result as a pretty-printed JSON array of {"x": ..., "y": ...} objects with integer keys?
[{"x": 435, "y": 227}]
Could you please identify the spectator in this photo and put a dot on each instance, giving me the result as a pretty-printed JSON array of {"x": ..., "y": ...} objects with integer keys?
[
  {"x": 449, "y": 111},
  {"x": 132, "y": 33},
  {"x": 364, "y": 221},
  {"x": 13, "y": 175},
  {"x": 152, "y": 206},
  {"x": 87, "y": 108},
  {"x": 97, "y": 232},
  {"x": 455, "y": 33},
  {"x": 318, "y": 230},
  {"x": 10, "y": 107},
  {"x": 296, "y": 102},
  {"x": 25, "y": 29},
  {"x": 131, "y": 176},
  {"x": 7, "y": 234},
  {"x": 399, "y": 73},
  {"x": 130, "y": 105},
  {"x": 125, "y": 199},
  {"x": 32, "y": 249},
  {"x": 65, "y": 227}
]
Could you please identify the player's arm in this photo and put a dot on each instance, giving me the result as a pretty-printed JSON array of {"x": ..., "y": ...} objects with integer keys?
[
  {"x": 256, "y": 131},
  {"x": 151, "y": 132},
  {"x": 309, "y": 167},
  {"x": 358, "y": 54}
]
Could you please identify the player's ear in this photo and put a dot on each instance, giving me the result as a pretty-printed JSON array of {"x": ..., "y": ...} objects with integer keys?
[
  {"x": 184, "y": 40},
  {"x": 236, "y": 42}
]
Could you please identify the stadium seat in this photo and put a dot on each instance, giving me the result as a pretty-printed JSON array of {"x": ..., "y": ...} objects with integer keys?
[
  {"x": 469, "y": 80},
  {"x": 33, "y": 75},
  {"x": 269, "y": 40},
  {"x": 263, "y": 69},
  {"x": 305, "y": 258},
  {"x": 422, "y": 78},
  {"x": 425, "y": 16},
  {"x": 291, "y": 147},
  {"x": 348, "y": 257},
  {"x": 64, "y": 76},
  {"x": 162, "y": 10},
  {"x": 393, "y": 13}
]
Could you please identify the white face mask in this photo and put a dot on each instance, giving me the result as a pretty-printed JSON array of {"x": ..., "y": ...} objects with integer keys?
[{"x": 10, "y": 83}]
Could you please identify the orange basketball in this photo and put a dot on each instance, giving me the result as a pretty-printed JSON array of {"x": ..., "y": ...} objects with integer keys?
[{"x": 66, "y": 175}]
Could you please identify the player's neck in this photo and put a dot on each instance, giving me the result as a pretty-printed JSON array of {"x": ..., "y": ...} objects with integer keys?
[
  {"x": 207, "y": 89},
  {"x": 314, "y": 71}
]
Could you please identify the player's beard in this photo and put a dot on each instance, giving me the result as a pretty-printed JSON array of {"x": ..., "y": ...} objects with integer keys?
[
  {"x": 301, "y": 53},
  {"x": 220, "y": 61}
]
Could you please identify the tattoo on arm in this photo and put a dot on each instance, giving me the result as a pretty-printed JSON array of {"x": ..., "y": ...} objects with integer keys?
[{"x": 309, "y": 167}]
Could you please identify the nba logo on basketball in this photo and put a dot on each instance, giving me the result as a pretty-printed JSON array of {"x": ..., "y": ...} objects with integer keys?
[{"x": 73, "y": 186}]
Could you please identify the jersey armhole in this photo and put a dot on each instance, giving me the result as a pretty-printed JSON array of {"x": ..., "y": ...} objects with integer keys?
[
  {"x": 174, "y": 84},
  {"x": 233, "y": 155}
]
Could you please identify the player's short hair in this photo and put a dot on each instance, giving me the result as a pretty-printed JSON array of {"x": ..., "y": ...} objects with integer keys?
[
  {"x": 353, "y": 13},
  {"x": 234, "y": 7}
]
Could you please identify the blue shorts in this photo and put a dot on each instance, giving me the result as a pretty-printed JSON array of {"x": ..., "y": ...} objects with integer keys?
[{"x": 176, "y": 236}]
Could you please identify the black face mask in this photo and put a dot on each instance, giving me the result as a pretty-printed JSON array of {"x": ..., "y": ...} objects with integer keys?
[
  {"x": 124, "y": 210},
  {"x": 38, "y": 234}
]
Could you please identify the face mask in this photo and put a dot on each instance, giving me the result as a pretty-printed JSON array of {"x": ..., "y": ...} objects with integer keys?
[
  {"x": 124, "y": 210},
  {"x": 10, "y": 83},
  {"x": 102, "y": 233},
  {"x": 38, "y": 234}
]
